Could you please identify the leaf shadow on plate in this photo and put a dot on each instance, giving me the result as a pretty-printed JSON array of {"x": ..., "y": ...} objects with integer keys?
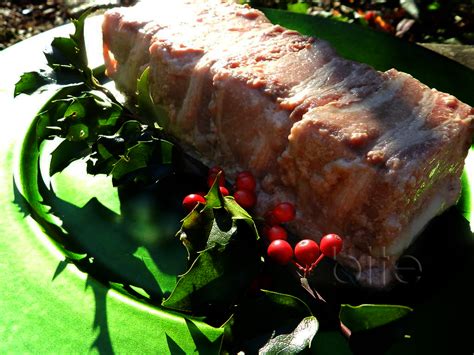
[
  {"x": 102, "y": 342},
  {"x": 173, "y": 347},
  {"x": 99, "y": 243},
  {"x": 206, "y": 346}
]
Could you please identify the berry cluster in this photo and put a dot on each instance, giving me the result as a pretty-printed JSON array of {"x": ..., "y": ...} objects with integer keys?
[
  {"x": 307, "y": 252},
  {"x": 282, "y": 213},
  {"x": 244, "y": 187}
]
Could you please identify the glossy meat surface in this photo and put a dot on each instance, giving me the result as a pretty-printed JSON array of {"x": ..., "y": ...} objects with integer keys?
[{"x": 370, "y": 155}]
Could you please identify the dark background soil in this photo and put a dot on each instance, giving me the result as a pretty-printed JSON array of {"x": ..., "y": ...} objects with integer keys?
[
  {"x": 427, "y": 21},
  {"x": 21, "y": 19}
]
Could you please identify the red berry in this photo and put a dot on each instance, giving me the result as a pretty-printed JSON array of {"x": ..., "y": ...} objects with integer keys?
[
  {"x": 270, "y": 219},
  {"x": 275, "y": 233},
  {"x": 284, "y": 212},
  {"x": 370, "y": 16},
  {"x": 245, "y": 198},
  {"x": 306, "y": 252},
  {"x": 245, "y": 181},
  {"x": 190, "y": 201},
  {"x": 331, "y": 245},
  {"x": 244, "y": 173},
  {"x": 212, "y": 178},
  {"x": 280, "y": 251},
  {"x": 224, "y": 191}
]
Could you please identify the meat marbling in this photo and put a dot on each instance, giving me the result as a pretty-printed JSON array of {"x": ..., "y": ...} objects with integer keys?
[{"x": 370, "y": 155}]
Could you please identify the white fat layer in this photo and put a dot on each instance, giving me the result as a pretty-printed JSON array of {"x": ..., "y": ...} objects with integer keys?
[{"x": 438, "y": 203}]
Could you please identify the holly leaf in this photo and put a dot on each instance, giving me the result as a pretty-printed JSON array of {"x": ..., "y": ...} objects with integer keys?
[
  {"x": 294, "y": 342},
  {"x": 368, "y": 316},
  {"x": 66, "y": 153},
  {"x": 229, "y": 270},
  {"x": 238, "y": 213},
  {"x": 30, "y": 82},
  {"x": 224, "y": 249},
  {"x": 150, "y": 112},
  {"x": 136, "y": 157},
  {"x": 79, "y": 39},
  {"x": 260, "y": 317}
]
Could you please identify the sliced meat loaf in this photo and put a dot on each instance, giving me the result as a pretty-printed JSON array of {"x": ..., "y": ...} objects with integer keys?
[{"x": 370, "y": 155}]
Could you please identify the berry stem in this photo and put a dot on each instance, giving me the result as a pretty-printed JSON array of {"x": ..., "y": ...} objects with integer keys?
[
  {"x": 315, "y": 294},
  {"x": 313, "y": 265},
  {"x": 300, "y": 268}
]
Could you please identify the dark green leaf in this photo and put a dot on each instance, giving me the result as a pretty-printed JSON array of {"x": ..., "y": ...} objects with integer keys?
[
  {"x": 78, "y": 37},
  {"x": 137, "y": 157},
  {"x": 200, "y": 230},
  {"x": 29, "y": 83},
  {"x": 222, "y": 229},
  {"x": 330, "y": 342},
  {"x": 166, "y": 151},
  {"x": 257, "y": 318},
  {"x": 287, "y": 301},
  {"x": 215, "y": 269},
  {"x": 146, "y": 108},
  {"x": 68, "y": 58},
  {"x": 66, "y": 153},
  {"x": 103, "y": 151},
  {"x": 68, "y": 48},
  {"x": 214, "y": 197},
  {"x": 368, "y": 316},
  {"x": 130, "y": 131},
  {"x": 238, "y": 213},
  {"x": 111, "y": 118},
  {"x": 228, "y": 235},
  {"x": 77, "y": 132},
  {"x": 61, "y": 66},
  {"x": 294, "y": 342},
  {"x": 195, "y": 230},
  {"x": 47, "y": 124},
  {"x": 76, "y": 109}
]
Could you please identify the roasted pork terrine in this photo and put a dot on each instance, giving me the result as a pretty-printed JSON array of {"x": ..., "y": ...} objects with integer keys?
[{"x": 370, "y": 155}]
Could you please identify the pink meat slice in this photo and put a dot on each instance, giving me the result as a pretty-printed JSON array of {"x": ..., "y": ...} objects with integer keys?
[{"x": 370, "y": 155}]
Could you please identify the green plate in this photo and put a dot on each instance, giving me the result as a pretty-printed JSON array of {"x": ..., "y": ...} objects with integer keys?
[{"x": 49, "y": 306}]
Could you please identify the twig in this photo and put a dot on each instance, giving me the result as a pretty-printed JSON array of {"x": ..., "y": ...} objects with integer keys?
[{"x": 315, "y": 294}]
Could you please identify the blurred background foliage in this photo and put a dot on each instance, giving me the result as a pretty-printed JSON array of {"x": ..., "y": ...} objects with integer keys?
[
  {"x": 429, "y": 21},
  {"x": 439, "y": 21}
]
